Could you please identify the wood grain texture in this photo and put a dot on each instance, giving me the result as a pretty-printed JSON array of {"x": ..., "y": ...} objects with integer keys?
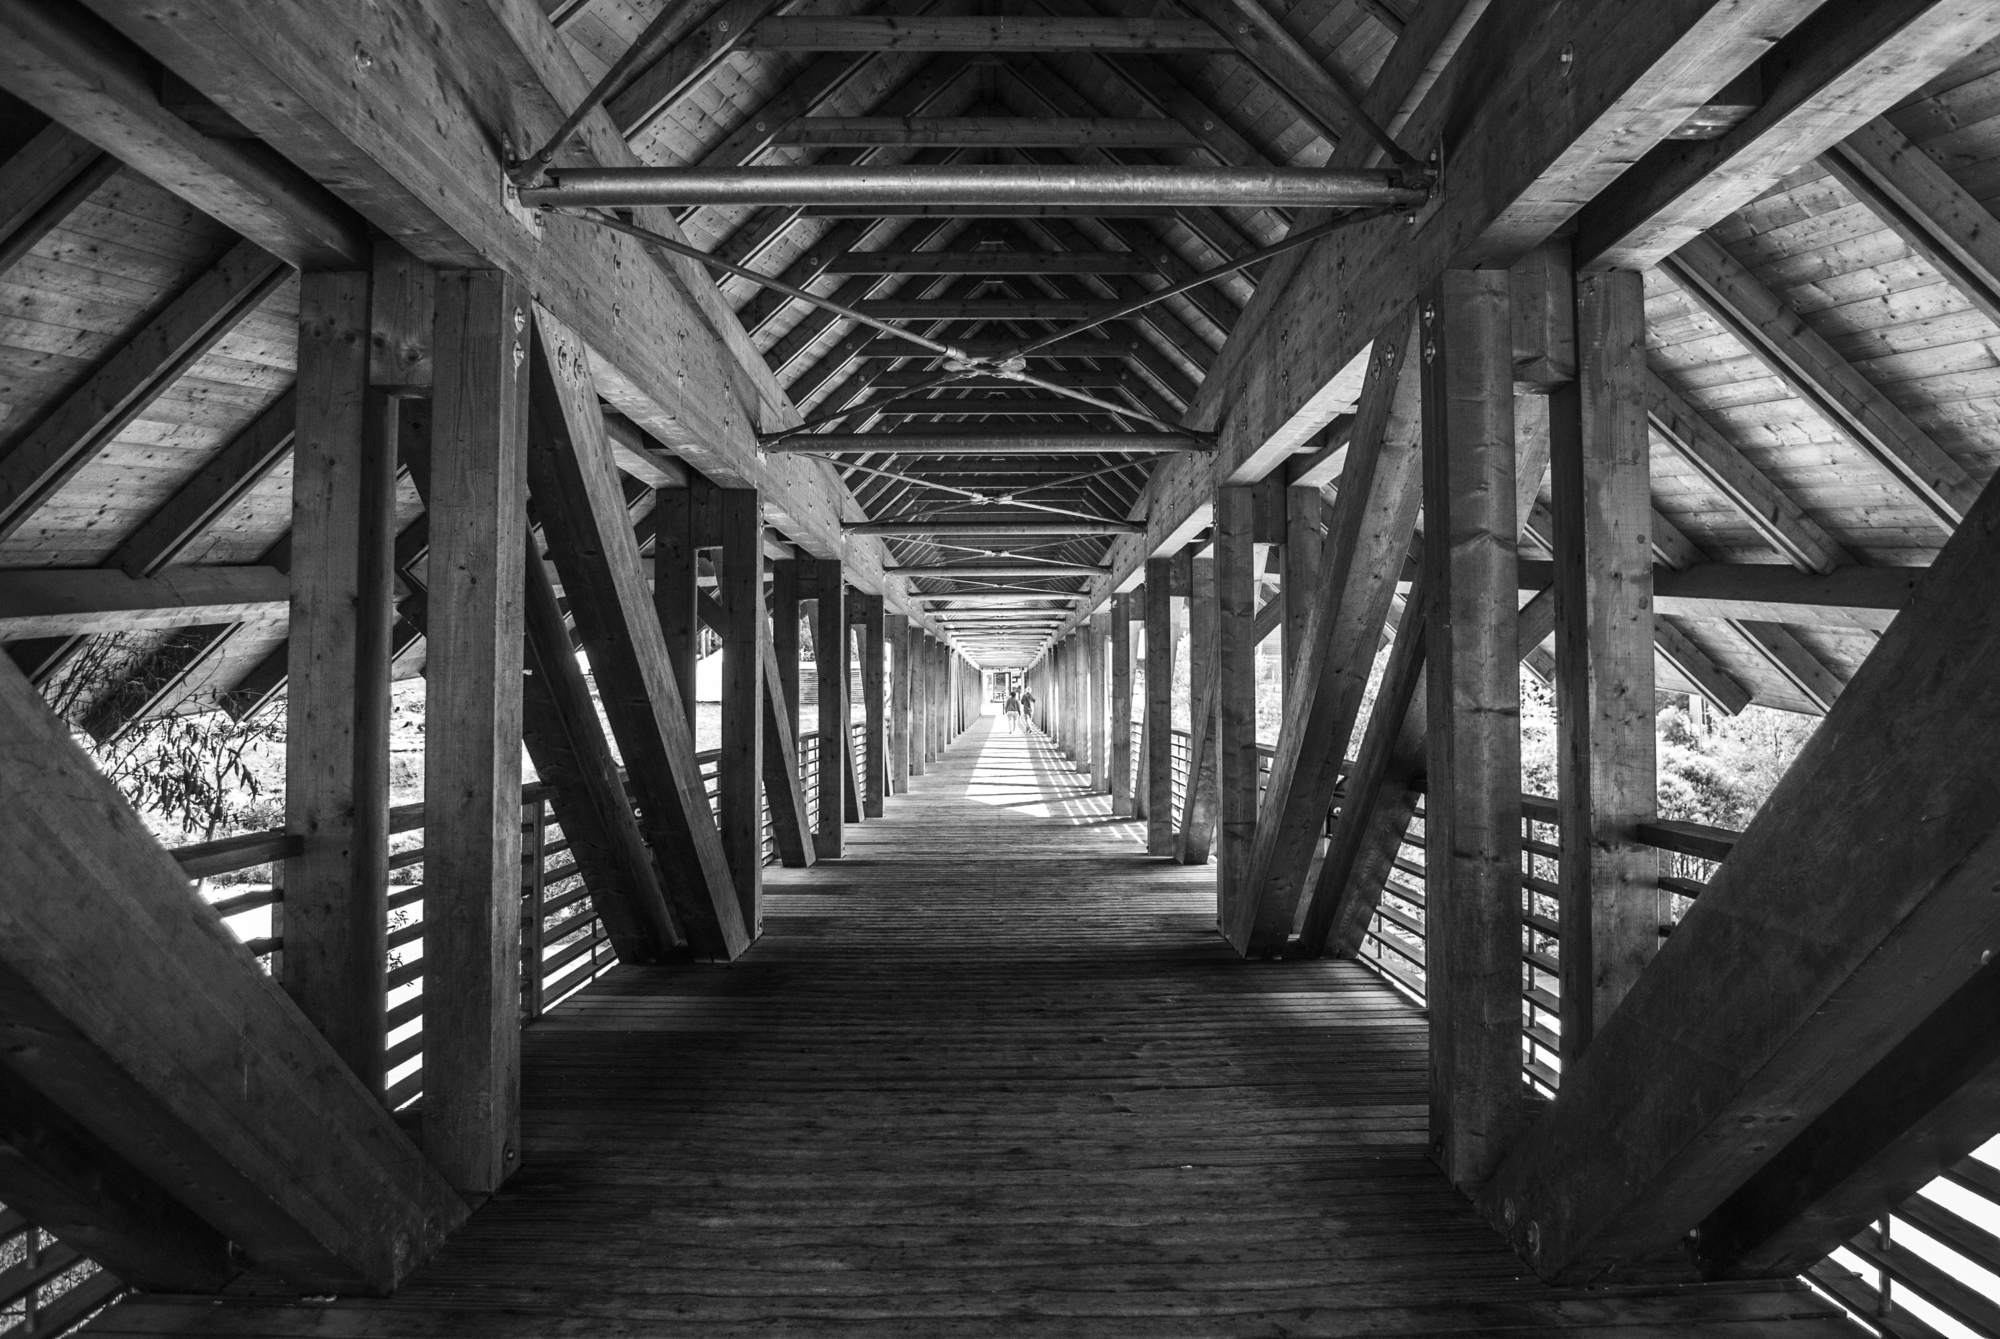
[
  {"x": 472, "y": 740},
  {"x": 1113, "y": 1131},
  {"x": 1472, "y": 814},
  {"x": 1159, "y": 741}
]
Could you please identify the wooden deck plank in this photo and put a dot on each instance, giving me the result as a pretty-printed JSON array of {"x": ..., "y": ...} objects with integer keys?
[{"x": 991, "y": 1073}]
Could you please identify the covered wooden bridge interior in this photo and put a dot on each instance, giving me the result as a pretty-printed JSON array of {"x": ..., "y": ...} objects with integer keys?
[{"x": 899, "y": 348}]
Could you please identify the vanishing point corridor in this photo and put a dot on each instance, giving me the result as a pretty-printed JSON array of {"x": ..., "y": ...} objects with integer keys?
[{"x": 993, "y": 1073}]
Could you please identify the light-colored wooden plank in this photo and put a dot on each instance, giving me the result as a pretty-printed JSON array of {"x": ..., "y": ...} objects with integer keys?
[
  {"x": 1120, "y": 743},
  {"x": 337, "y": 711},
  {"x": 472, "y": 746},
  {"x": 1472, "y": 824},
  {"x": 830, "y": 657},
  {"x": 1235, "y": 678},
  {"x": 1158, "y": 744},
  {"x": 1600, "y": 482},
  {"x": 873, "y": 686}
]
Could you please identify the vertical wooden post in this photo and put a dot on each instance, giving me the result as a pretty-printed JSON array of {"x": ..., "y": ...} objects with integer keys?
[
  {"x": 1235, "y": 674},
  {"x": 872, "y": 683},
  {"x": 897, "y": 628},
  {"x": 830, "y": 652},
  {"x": 1100, "y": 692},
  {"x": 472, "y": 750},
  {"x": 337, "y": 751},
  {"x": 1197, "y": 835},
  {"x": 1305, "y": 530},
  {"x": 531, "y": 909},
  {"x": 675, "y": 588},
  {"x": 740, "y": 766},
  {"x": 1121, "y": 706},
  {"x": 1473, "y": 809},
  {"x": 785, "y": 633},
  {"x": 1602, "y": 493},
  {"x": 919, "y": 684},
  {"x": 1159, "y": 707}
]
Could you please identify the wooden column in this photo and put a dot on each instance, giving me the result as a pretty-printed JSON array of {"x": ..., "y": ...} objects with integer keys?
[
  {"x": 1600, "y": 484},
  {"x": 1235, "y": 724},
  {"x": 850, "y": 775},
  {"x": 1305, "y": 530},
  {"x": 739, "y": 770},
  {"x": 1159, "y": 739},
  {"x": 337, "y": 750},
  {"x": 897, "y": 629},
  {"x": 785, "y": 633},
  {"x": 873, "y": 684},
  {"x": 830, "y": 657},
  {"x": 1473, "y": 811},
  {"x": 1121, "y": 706},
  {"x": 1100, "y": 693},
  {"x": 676, "y": 591},
  {"x": 472, "y": 739},
  {"x": 1204, "y": 796},
  {"x": 919, "y": 684}
]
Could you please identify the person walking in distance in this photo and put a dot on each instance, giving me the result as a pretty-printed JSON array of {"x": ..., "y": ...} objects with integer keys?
[
  {"x": 1013, "y": 710},
  {"x": 1027, "y": 706}
]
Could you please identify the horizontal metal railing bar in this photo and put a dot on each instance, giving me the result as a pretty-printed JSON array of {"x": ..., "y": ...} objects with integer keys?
[{"x": 1929, "y": 1282}]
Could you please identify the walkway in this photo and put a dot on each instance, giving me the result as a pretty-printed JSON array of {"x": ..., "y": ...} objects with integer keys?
[{"x": 994, "y": 1074}]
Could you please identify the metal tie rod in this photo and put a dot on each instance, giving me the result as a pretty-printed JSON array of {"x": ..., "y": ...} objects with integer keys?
[
  {"x": 999, "y": 529},
  {"x": 975, "y": 184},
  {"x": 992, "y": 444}
]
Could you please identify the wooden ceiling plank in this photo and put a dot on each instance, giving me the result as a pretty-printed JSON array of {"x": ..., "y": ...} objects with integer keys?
[
  {"x": 1681, "y": 651},
  {"x": 56, "y": 178},
  {"x": 993, "y": 33},
  {"x": 703, "y": 38},
  {"x": 1831, "y": 386},
  {"x": 1823, "y": 81},
  {"x": 988, "y": 132},
  {"x": 1913, "y": 194},
  {"x": 770, "y": 303},
  {"x": 73, "y": 432},
  {"x": 1285, "y": 65},
  {"x": 908, "y": 441},
  {"x": 1767, "y": 507},
  {"x": 233, "y": 471}
]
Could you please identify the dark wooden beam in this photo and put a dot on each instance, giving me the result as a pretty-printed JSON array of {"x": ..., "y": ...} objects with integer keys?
[
  {"x": 1874, "y": 854},
  {"x": 1368, "y": 534},
  {"x": 1854, "y": 598},
  {"x": 590, "y": 539},
  {"x": 676, "y": 579},
  {"x": 133, "y": 1011},
  {"x": 1472, "y": 815},
  {"x": 1235, "y": 723},
  {"x": 872, "y": 687},
  {"x": 1821, "y": 82},
  {"x": 1284, "y": 64},
  {"x": 49, "y": 453},
  {"x": 900, "y": 649},
  {"x": 1120, "y": 759},
  {"x": 1601, "y": 482},
  {"x": 1011, "y": 132}
]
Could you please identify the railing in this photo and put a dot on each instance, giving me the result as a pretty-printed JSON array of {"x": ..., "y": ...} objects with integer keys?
[
  {"x": 1929, "y": 1270},
  {"x": 45, "y": 1287}
]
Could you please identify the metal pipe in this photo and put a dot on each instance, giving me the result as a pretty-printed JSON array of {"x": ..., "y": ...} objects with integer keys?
[
  {"x": 993, "y": 444},
  {"x": 1086, "y": 186},
  {"x": 1001, "y": 570},
  {"x": 991, "y": 529}
]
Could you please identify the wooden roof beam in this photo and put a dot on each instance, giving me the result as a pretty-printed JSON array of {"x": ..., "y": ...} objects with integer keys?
[
  {"x": 1821, "y": 82},
  {"x": 1913, "y": 194},
  {"x": 769, "y": 304},
  {"x": 70, "y": 601},
  {"x": 908, "y": 442},
  {"x": 701, "y": 38},
  {"x": 1531, "y": 147},
  {"x": 994, "y": 33},
  {"x": 1875, "y": 853},
  {"x": 72, "y": 433},
  {"x": 1767, "y": 507},
  {"x": 71, "y": 65},
  {"x": 989, "y": 262},
  {"x": 1001, "y": 132},
  {"x": 1854, "y": 598},
  {"x": 1832, "y": 388},
  {"x": 42, "y": 185}
]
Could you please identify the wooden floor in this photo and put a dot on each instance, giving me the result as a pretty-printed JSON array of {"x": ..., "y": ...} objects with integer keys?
[{"x": 994, "y": 1073}]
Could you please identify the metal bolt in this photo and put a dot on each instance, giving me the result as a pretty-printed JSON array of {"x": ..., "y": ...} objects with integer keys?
[
  {"x": 362, "y": 59},
  {"x": 722, "y": 25}
]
